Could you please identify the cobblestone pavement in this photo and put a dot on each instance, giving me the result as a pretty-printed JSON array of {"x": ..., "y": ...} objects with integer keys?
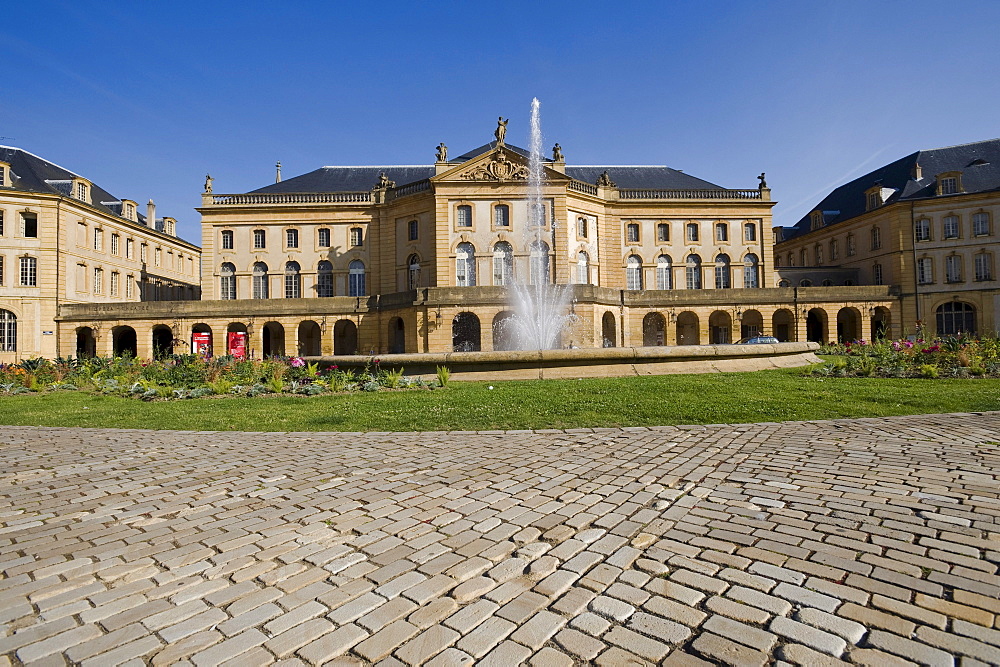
[{"x": 872, "y": 541}]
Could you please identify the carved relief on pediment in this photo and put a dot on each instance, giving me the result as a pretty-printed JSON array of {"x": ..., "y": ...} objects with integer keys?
[{"x": 499, "y": 168}]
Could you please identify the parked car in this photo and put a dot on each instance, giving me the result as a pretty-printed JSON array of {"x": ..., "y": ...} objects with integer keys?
[{"x": 758, "y": 340}]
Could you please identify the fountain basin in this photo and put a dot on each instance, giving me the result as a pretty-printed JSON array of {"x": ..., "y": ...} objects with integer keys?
[{"x": 588, "y": 362}]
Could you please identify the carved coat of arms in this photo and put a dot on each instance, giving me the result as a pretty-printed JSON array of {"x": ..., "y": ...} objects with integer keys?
[{"x": 498, "y": 169}]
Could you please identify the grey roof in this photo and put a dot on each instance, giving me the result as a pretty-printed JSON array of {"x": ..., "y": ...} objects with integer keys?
[
  {"x": 979, "y": 163},
  {"x": 362, "y": 179}
]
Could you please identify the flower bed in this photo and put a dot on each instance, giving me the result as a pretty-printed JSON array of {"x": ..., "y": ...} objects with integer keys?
[
  {"x": 192, "y": 376},
  {"x": 956, "y": 356}
]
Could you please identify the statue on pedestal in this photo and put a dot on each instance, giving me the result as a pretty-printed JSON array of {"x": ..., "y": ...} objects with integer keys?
[
  {"x": 442, "y": 152},
  {"x": 208, "y": 183},
  {"x": 763, "y": 183},
  {"x": 557, "y": 153},
  {"x": 501, "y": 130}
]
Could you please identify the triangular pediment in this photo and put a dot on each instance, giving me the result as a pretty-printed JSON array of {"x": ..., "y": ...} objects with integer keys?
[{"x": 497, "y": 165}]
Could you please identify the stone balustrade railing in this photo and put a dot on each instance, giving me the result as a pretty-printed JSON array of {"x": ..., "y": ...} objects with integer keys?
[
  {"x": 689, "y": 194},
  {"x": 580, "y": 186},
  {"x": 413, "y": 188},
  {"x": 291, "y": 198}
]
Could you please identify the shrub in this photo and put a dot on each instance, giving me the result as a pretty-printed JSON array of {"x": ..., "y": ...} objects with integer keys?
[
  {"x": 929, "y": 371},
  {"x": 443, "y": 375}
]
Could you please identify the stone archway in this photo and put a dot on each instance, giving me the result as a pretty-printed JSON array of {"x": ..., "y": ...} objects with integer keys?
[
  {"x": 345, "y": 337},
  {"x": 163, "y": 341},
  {"x": 783, "y": 325},
  {"x": 848, "y": 325},
  {"x": 688, "y": 329},
  {"x": 720, "y": 324},
  {"x": 310, "y": 339},
  {"x": 202, "y": 340},
  {"x": 654, "y": 330},
  {"x": 124, "y": 342},
  {"x": 816, "y": 326},
  {"x": 465, "y": 333},
  {"x": 86, "y": 342},
  {"x": 609, "y": 335},
  {"x": 273, "y": 339},
  {"x": 881, "y": 323},
  {"x": 751, "y": 324},
  {"x": 503, "y": 332}
]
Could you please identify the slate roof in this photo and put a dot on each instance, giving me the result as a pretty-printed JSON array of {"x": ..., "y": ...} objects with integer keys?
[
  {"x": 979, "y": 163},
  {"x": 361, "y": 179}
]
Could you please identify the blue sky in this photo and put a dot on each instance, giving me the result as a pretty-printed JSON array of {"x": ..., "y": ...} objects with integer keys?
[{"x": 144, "y": 98}]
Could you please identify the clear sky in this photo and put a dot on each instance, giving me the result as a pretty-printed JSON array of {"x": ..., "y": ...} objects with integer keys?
[{"x": 144, "y": 98}]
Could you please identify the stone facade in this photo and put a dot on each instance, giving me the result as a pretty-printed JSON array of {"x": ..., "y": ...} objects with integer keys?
[{"x": 64, "y": 240}]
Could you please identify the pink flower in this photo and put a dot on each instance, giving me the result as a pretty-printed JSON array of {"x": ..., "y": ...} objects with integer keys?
[{"x": 297, "y": 362}]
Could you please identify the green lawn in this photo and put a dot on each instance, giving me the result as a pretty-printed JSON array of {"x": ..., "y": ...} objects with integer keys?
[{"x": 637, "y": 401}]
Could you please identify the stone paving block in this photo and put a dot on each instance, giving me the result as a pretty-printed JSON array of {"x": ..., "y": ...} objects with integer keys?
[
  {"x": 724, "y": 651},
  {"x": 755, "y": 598},
  {"x": 230, "y": 648},
  {"x": 298, "y": 636},
  {"x": 488, "y": 634},
  {"x": 427, "y": 644},
  {"x": 538, "y": 629},
  {"x": 666, "y": 631},
  {"x": 385, "y": 641},
  {"x": 451, "y": 657},
  {"x": 133, "y": 652},
  {"x": 383, "y": 615},
  {"x": 57, "y": 643},
  {"x": 911, "y": 650},
  {"x": 741, "y": 632},
  {"x": 579, "y": 644},
  {"x": 958, "y": 645},
  {"x": 550, "y": 657},
  {"x": 805, "y": 597},
  {"x": 433, "y": 612},
  {"x": 811, "y": 637},
  {"x": 470, "y": 616},
  {"x": 507, "y": 653},
  {"x": 186, "y": 647},
  {"x": 636, "y": 643},
  {"x": 797, "y": 654}
]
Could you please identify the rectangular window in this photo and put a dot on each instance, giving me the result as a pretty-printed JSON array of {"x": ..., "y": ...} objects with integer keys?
[
  {"x": 81, "y": 191},
  {"x": 81, "y": 277},
  {"x": 98, "y": 281},
  {"x": 259, "y": 239},
  {"x": 1, "y": 223},
  {"x": 413, "y": 228},
  {"x": 157, "y": 256},
  {"x": 324, "y": 238},
  {"x": 114, "y": 283},
  {"x": 722, "y": 232},
  {"x": 632, "y": 233},
  {"x": 144, "y": 253},
  {"x": 953, "y": 269},
  {"x": 98, "y": 239},
  {"x": 663, "y": 232},
  {"x": 981, "y": 224},
  {"x": 874, "y": 200},
  {"x": 129, "y": 286},
  {"x": 129, "y": 249},
  {"x": 228, "y": 240},
  {"x": 501, "y": 215},
  {"x": 750, "y": 232},
  {"x": 877, "y": 274},
  {"x": 984, "y": 266},
  {"x": 29, "y": 225},
  {"x": 1, "y": 269},
  {"x": 951, "y": 227},
  {"x": 291, "y": 238},
  {"x": 692, "y": 232},
  {"x": 834, "y": 250},
  {"x": 29, "y": 272},
  {"x": 922, "y": 230},
  {"x": 581, "y": 228},
  {"x": 925, "y": 271},
  {"x": 115, "y": 244},
  {"x": 356, "y": 236},
  {"x": 949, "y": 186},
  {"x": 3, "y": 176},
  {"x": 876, "y": 238},
  {"x": 851, "y": 246},
  {"x": 464, "y": 218}
]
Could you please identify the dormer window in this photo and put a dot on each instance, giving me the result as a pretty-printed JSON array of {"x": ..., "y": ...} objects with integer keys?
[
  {"x": 874, "y": 200},
  {"x": 130, "y": 210},
  {"x": 949, "y": 183},
  {"x": 81, "y": 191},
  {"x": 816, "y": 220},
  {"x": 4, "y": 170}
]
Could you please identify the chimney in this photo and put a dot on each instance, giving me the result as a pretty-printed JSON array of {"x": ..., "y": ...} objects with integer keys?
[
  {"x": 918, "y": 172},
  {"x": 277, "y": 175},
  {"x": 151, "y": 214}
]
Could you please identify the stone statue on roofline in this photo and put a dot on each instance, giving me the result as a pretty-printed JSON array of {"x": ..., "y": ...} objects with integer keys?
[
  {"x": 208, "y": 183},
  {"x": 557, "y": 153},
  {"x": 384, "y": 182},
  {"x": 763, "y": 183},
  {"x": 442, "y": 152},
  {"x": 604, "y": 180},
  {"x": 501, "y": 130}
]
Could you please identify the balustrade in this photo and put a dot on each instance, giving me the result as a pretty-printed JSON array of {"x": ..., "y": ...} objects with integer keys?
[{"x": 291, "y": 198}]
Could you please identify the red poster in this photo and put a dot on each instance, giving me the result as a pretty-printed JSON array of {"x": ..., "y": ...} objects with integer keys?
[
  {"x": 238, "y": 344},
  {"x": 201, "y": 343}
]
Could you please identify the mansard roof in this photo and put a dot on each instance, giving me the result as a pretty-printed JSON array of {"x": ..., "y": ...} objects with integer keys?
[
  {"x": 362, "y": 179},
  {"x": 30, "y": 173},
  {"x": 979, "y": 163}
]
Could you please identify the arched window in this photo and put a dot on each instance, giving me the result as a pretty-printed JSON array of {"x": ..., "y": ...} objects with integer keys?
[
  {"x": 356, "y": 278},
  {"x": 692, "y": 271},
  {"x": 955, "y": 317},
  {"x": 227, "y": 286},
  {"x": 293, "y": 281},
  {"x": 465, "y": 265},
  {"x": 633, "y": 272},
  {"x": 751, "y": 271},
  {"x": 260, "y": 280},
  {"x": 723, "y": 274},
  {"x": 582, "y": 268},
  {"x": 8, "y": 331},
  {"x": 664, "y": 273},
  {"x": 539, "y": 263},
  {"x": 413, "y": 272},
  {"x": 501, "y": 215},
  {"x": 324, "y": 279},
  {"x": 503, "y": 263}
]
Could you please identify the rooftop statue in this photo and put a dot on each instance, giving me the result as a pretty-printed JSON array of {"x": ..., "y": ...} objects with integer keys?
[
  {"x": 763, "y": 183},
  {"x": 208, "y": 183},
  {"x": 442, "y": 152},
  {"x": 557, "y": 153},
  {"x": 501, "y": 130}
]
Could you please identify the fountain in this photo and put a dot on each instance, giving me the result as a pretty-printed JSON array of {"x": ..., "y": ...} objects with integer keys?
[{"x": 541, "y": 308}]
